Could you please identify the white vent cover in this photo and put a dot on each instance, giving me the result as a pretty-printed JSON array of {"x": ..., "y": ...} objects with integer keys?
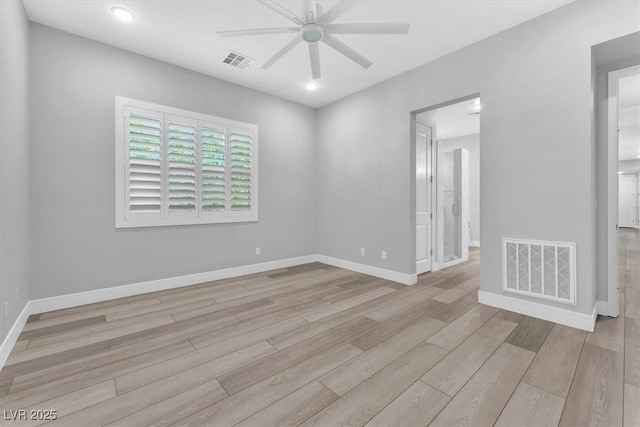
[
  {"x": 238, "y": 60},
  {"x": 540, "y": 269}
]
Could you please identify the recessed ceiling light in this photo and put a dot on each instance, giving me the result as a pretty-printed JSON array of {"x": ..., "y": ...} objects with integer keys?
[
  {"x": 123, "y": 14},
  {"x": 311, "y": 85},
  {"x": 620, "y": 173}
]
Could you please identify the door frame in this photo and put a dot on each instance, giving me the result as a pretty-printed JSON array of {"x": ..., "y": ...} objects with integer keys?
[
  {"x": 412, "y": 170},
  {"x": 612, "y": 186}
]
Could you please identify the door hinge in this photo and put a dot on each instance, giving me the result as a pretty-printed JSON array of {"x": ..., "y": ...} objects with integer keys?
[
  {"x": 431, "y": 178},
  {"x": 431, "y": 215},
  {"x": 431, "y": 252}
]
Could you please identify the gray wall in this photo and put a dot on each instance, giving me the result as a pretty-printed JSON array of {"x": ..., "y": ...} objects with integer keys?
[
  {"x": 471, "y": 143},
  {"x": 14, "y": 162},
  {"x": 75, "y": 244},
  {"x": 629, "y": 165},
  {"x": 612, "y": 55},
  {"x": 536, "y": 124}
]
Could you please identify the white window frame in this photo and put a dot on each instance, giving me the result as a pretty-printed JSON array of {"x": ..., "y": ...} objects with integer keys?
[{"x": 125, "y": 220}]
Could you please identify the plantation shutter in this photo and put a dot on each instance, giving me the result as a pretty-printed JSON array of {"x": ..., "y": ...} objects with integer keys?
[
  {"x": 181, "y": 180},
  {"x": 176, "y": 167},
  {"x": 241, "y": 183},
  {"x": 213, "y": 193},
  {"x": 143, "y": 167}
]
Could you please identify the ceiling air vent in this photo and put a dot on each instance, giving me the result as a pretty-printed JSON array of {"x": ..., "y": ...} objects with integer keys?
[{"x": 238, "y": 60}]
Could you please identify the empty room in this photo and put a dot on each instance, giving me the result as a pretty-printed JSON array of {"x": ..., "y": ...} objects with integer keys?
[{"x": 319, "y": 213}]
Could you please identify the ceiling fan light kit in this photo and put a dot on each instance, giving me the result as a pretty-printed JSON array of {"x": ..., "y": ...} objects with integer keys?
[
  {"x": 318, "y": 27},
  {"x": 312, "y": 32}
]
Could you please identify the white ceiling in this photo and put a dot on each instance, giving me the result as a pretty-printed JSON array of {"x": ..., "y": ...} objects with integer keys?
[
  {"x": 454, "y": 120},
  {"x": 629, "y": 117},
  {"x": 184, "y": 32}
]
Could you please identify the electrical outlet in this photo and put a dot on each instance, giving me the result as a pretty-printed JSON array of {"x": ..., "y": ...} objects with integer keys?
[
  {"x": 384, "y": 255},
  {"x": 361, "y": 251},
  {"x": 257, "y": 250}
]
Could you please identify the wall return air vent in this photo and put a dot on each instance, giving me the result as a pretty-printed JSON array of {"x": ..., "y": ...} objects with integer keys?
[{"x": 540, "y": 269}]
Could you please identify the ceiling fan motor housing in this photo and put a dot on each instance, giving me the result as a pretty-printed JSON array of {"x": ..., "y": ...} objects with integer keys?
[
  {"x": 319, "y": 27},
  {"x": 312, "y": 32}
]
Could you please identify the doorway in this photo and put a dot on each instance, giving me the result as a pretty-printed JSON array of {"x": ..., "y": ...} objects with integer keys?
[
  {"x": 446, "y": 139},
  {"x": 624, "y": 167}
]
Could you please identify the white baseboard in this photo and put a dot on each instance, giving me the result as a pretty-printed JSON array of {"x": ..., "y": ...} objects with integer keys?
[
  {"x": 403, "y": 278},
  {"x": 81, "y": 298},
  {"x": 12, "y": 337},
  {"x": 582, "y": 321},
  {"x": 44, "y": 305},
  {"x": 474, "y": 243}
]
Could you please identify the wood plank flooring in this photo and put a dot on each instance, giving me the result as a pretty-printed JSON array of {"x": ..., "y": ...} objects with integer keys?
[{"x": 316, "y": 345}]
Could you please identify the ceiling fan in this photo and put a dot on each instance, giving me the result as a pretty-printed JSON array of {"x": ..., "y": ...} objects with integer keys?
[{"x": 316, "y": 27}]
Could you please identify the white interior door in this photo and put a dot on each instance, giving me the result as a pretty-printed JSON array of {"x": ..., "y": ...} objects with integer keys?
[
  {"x": 627, "y": 200},
  {"x": 423, "y": 198}
]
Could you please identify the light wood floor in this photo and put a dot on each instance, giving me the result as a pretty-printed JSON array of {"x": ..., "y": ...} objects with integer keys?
[{"x": 318, "y": 345}]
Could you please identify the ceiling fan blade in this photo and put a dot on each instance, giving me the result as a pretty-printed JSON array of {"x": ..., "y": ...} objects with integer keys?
[
  {"x": 258, "y": 31},
  {"x": 367, "y": 29},
  {"x": 314, "y": 53},
  {"x": 346, "y": 51},
  {"x": 293, "y": 43},
  {"x": 337, "y": 11},
  {"x": 282, "y": 11},
  {"x": 311, "y": 10}
]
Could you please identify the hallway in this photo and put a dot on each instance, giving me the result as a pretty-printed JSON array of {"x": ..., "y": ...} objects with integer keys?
[{"x": 609, "y": 364}]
